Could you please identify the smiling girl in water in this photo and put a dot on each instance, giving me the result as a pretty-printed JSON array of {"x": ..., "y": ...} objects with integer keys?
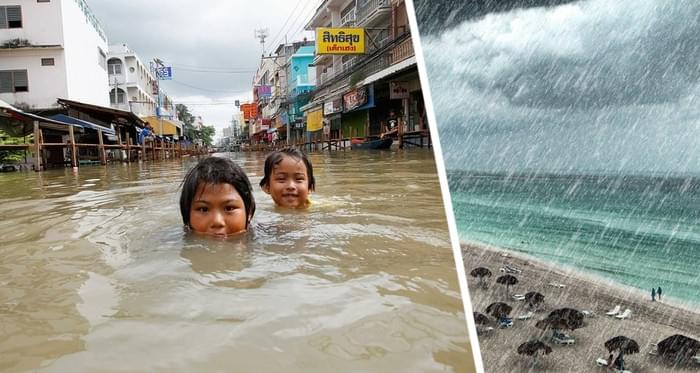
[
  {"x": 289, "y": 178},
  {"x": 216, "y": 198}
]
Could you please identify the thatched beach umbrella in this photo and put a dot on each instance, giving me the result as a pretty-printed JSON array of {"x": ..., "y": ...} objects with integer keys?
[
  {"x": 554, "y": 323},
  {"x": 481, "y": 272},
  {"x": 508, "y": 281},
  {"x": 679, "y": 347},
  {"x": 623, "y": 344},
  {"x": 481, "y": 319},
  {"x": 571, "y": 315},
  {"x": 533, "y": 348},
  {"x": 534, "y": 299},
  {"x": 498, "y": 309}
]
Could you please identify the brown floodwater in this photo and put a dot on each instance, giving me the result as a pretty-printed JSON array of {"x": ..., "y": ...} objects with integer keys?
[{"x": 97, "y": 274}]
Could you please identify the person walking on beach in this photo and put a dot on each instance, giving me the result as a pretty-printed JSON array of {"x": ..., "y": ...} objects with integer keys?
[
  {"x": 653, "y": 294},
  {"x": 658, "y": 292}
]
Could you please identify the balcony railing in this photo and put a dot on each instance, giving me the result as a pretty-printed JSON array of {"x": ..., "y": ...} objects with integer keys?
[
  {"x": 402, "y": 51},
  {"x": 370, "y": 8},
  {"x": 348, "y": 19}
]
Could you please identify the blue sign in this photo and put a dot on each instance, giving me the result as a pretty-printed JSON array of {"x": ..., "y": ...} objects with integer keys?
[{"x": 164, "y": 73}]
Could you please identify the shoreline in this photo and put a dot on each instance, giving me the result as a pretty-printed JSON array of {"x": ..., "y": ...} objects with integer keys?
[
  {"x": 570, "y": 270},
  {"x": 650, "y": 321}
]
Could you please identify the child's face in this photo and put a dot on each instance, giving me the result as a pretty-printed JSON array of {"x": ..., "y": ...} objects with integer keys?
[
  {"x": 289, "y": 183},
  {"x": 217, "y": 210}
]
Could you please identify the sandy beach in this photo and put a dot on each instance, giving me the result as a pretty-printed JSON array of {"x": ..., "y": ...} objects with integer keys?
[{"x": 650, "y": 321}]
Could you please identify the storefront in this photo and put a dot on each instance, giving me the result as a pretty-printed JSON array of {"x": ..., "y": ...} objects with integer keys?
[{"x": 356, "y": 106}]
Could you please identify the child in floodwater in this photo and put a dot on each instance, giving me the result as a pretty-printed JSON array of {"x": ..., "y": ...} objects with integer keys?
[
  {"x": 217, "y": 198},
  {"x": 288, "y": 178}
]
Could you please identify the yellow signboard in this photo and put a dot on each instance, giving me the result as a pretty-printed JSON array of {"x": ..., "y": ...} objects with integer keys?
[
  {"x": 314, "y": 120},
  {"x": 340, "y": 40}
]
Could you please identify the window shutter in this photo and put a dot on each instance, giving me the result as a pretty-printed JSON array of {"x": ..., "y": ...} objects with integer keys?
[
  {"x": 3, "y": 17},
  {"x": 6, "y": 82},
  {"x": 21, "y": 80},
  {"x": 14, "y": 16}
]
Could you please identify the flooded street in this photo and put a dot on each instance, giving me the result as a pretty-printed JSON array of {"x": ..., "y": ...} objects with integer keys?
[{"x": 98, "y": 274}]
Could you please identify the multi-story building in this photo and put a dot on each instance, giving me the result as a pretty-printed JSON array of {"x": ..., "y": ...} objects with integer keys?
[
  {"x": 134, "y": 88},
  {"x": 51, "y": 49},
  {"x": 271, "y": 90},
  {"x": 355, "y": 93},
  {"x": 131, "y": 82},
  {"x": 302, "y": 81}
]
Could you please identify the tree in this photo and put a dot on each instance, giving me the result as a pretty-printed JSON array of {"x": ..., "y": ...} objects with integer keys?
[
  {"x": 184, "y": 115},
  {"x": 207, "y": 135}
]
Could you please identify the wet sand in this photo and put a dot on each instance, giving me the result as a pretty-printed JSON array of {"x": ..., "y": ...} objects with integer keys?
[{"x": 650, "y": 321}]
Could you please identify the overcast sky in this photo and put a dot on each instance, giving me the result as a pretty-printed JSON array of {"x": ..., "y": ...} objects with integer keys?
[
  {"x": 593, "y": 85},
  {"x": 210, "y": 44}
]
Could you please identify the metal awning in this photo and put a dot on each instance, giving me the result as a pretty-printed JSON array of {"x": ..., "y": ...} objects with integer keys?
[
  {"x": 393, "y": 69},
  {"x": 82, "y": 123}
]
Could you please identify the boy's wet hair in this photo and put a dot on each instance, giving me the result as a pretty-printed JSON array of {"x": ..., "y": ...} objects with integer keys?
[
  {"x": 276, "y": 157},
  {"x": 216, "y": 170}
]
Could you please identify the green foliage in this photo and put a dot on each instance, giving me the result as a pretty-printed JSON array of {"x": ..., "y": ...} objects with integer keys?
[
  {"x": 11, "y": 156},
  {"x": 206, "y": 134}
]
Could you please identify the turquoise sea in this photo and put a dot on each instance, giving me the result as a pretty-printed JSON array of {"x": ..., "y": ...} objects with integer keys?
[{"x": 638, "y": 230}]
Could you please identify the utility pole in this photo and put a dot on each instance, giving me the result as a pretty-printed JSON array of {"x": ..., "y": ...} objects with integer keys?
[{"x": 157, "y": 62}]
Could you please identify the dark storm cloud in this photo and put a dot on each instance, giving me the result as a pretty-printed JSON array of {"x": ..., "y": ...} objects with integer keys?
[
  {"x": 435, "y": 16},
  {"x": 592, "y": 85},
  {"x": 194, "y": 35}
]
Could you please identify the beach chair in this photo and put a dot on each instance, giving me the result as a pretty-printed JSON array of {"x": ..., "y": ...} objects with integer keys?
[
  {"x": 510, "y": 269},
  {"x": 557, "y": 285},
  {"x": 614, "y": 311},
  {"x": 601, "y": 362},
  {"x": 526, "y": 316},
  {"x": 482, "y": 330},
  {"x": 519, "y": 297},
  {"x": 625, "y": 315},
  {"x": 562, "y": 339},
  {"x": 505, "y": 323},
  {"x": 587, "y": 313}
]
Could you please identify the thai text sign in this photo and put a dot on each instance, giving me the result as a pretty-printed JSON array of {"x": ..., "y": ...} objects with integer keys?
[
  {"x": 264, "y": 91},
  {"x": 332, "y": 107},
  {"x": 355, "y": 98},
  {"x": 164, "y": 73},
  {"x": 250, "y": 111},
  {"x": 398, "y": 90},
  {"x": 340, "y": 40},
  {"x": 314, "y": 120}
]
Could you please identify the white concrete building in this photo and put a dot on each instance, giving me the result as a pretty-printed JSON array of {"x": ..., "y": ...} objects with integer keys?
[
  {"x": 131, "y": 82},
  {"x": 51, "y": 49}
]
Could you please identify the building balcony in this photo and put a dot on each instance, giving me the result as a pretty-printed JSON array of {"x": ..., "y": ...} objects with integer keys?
[
  {"x": 402, "y": 51},
  {"x": 372, "y": 12},
  {"x": 322, "y": 59}
]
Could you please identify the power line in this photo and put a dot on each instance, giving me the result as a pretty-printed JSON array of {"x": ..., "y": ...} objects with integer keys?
[
  {"x": 204, "y": 89},
  {"x": 211, "y": 67},
  {"x": 275, "y": 38},
  {"x": 291, "y": 25},
  {"x": 217, "y": 71},
  {"x": 300, "y": 27}
]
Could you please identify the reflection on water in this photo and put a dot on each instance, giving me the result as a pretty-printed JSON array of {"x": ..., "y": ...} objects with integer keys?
[{"x": 97, "y": 273}]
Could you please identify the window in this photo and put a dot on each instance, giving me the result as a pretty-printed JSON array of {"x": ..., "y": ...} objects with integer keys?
[
  {"x": 347, "y": 16},
  {"x": 13, "y": 81},
  {"x": 114, "y": 66},
  {"x": 119, "y": 96},
  {"x": 47, "y": 62},
  {"x": 10, "y": 16},
  {"x": 43, "y": 1}
]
